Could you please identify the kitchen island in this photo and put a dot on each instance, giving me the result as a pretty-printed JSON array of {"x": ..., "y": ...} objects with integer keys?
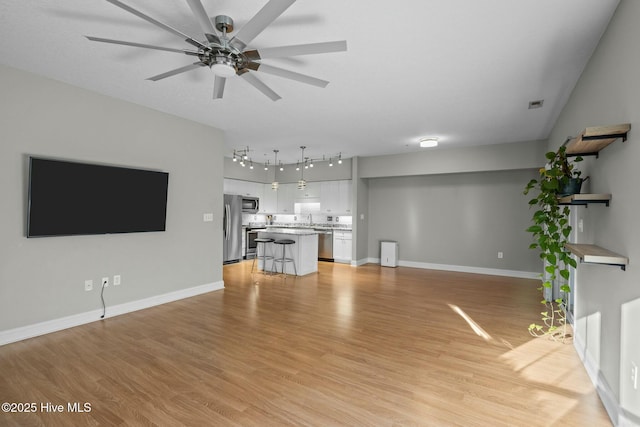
[{"x": 304, "y": 252}]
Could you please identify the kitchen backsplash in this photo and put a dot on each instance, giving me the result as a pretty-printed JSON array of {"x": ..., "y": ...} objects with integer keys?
[{"x": 295, "y": 219}]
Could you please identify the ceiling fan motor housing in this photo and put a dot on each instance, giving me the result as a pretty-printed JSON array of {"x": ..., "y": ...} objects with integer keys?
[{"x": 224, "y": 24}]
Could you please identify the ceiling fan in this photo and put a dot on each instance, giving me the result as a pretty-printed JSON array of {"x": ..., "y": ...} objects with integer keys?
[{"x": 226, "y": 56}]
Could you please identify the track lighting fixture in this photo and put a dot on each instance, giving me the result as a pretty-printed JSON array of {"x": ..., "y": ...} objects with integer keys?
[{"x": 242, "y": 157}]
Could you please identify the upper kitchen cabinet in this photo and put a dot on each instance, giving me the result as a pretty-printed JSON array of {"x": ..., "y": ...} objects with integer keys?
[
  {"x": 286, "y": 195},
  {"x": 333, "y": 197},
  {"x": 269, "y": 202},
  {"x": 311, "y": 193},
  {"x": 243, "y": 188},
  {"x": 336, "y": 197}
]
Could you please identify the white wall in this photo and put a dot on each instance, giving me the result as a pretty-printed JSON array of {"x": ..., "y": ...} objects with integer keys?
[
  {"x": 608, "y": 299},
  {"x": 42, "y": 279}
]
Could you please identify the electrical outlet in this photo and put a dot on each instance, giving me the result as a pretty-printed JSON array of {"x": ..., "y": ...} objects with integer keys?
[
  {"x": 208, "y": 217},
  {"x": 105, "y": 281},
  {"x": 634, "y": 375},
  {"x": 88, "y": 285},
  {"x": 500, "y": 255},
  {"x": 116, "y": 280}
]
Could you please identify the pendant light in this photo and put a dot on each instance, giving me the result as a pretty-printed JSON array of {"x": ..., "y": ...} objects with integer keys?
[
  {"x": 274, "y": 184},
  {"x": 302, "y": 184}
]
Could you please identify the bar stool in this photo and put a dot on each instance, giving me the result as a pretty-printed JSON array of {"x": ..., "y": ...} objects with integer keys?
[
  {"x": 264, "y": 256},
  {"x": 284, "y": 243}
]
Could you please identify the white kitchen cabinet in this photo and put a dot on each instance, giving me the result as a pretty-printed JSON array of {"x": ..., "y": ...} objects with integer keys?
[
  {"x": 269, "y": 201},
  {"x": 345, "y": 196},
  {"x": 330, "y": 197},
  {"x": 243, "y": 188},
  {"x": 286, "y": 194},
  {"x": 342, "y": 245},
  {"x": 310, "y": 194},
  {"x": 336, "y": 197}
]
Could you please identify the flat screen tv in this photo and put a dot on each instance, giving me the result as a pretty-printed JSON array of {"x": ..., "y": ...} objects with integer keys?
[{"x": 68, "y": 198}]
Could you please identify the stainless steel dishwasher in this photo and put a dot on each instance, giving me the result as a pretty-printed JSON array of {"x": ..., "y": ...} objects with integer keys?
[{"x": 325, "y": 245}]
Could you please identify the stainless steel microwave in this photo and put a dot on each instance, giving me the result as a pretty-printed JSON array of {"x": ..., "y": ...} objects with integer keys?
[{"x": 250, "y": 204}]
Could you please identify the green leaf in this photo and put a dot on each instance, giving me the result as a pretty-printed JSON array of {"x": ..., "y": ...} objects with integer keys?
[
  {"x": 550, "y": 269},
  {"x": 572, "y": 262},
  {"x": 534, "y": 229},
  {"x": 565, "y": 288},
  {"x": 564, "y": 274},
  {"x": 533, "y": 246},
  {"x": 552, "y": 259},
  {"x": 550, "y": 184},
  {"x": 546, "y": 284}
]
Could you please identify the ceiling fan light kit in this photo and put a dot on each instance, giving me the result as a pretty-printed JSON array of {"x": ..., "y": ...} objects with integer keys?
[{"x": 228, "y": 57}]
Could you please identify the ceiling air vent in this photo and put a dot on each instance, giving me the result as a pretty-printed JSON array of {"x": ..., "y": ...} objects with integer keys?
[{"x": 536, "y": 104}]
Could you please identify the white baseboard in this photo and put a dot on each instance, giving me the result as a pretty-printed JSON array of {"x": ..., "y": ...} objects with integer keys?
[
  {"x": 608, "y": 398},
  {"x": 465, "y": 269},
  {"x": 359, "y": 262},
  {"x": 30, "y": 331}
]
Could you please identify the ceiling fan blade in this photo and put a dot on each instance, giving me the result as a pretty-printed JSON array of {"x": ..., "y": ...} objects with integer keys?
[
  {"x": 218, "y": 87},
  {"x": 259, "y": 22},
  {"x": 300, "y": 49},
  {"x": 303, "y": 78},
  {"x": 201, "y": 16},
  {"x": 258, "y": 84},
  {"x": 146, "y": 46},
  {"x": 165, "y": 27},
  {"x": 177, "y": 71}
]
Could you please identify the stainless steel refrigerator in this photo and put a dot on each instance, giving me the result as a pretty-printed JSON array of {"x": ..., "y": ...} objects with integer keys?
[{"x": 232, "y": 229}]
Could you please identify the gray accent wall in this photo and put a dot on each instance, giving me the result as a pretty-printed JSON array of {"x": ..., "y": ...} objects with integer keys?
[
  {"x": 42, "y": 279},
  {"x": 454, "y": 219},
  {"x": 442, "y": 160},
  {"x": 607, "y": 306},
  {"x": 360, "y": 222}
]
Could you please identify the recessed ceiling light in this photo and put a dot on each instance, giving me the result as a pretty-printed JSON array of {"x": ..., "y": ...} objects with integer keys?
[
  {"x": 428, "y": 142},
  {"x": 536, "y": 104}
]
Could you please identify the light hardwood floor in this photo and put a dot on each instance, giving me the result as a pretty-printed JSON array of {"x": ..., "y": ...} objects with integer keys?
[{"x": 366, "y": 346}]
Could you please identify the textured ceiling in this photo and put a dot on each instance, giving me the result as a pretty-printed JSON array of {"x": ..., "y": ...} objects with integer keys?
[{"x": 460, "y": 70}]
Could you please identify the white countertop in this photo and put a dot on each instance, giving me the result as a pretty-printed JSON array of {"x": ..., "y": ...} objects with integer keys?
[
  {"x": 310, "y": 227},
  {"x": 296, "y": 231}
]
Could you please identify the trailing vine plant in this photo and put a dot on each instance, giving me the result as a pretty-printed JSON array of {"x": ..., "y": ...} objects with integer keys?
[{"x": 551, "y": 230}]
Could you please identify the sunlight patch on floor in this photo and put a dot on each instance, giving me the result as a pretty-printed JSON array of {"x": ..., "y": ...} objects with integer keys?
[
  {"x": 474, "y": 326},
  {"x": 555, "y": 376}
]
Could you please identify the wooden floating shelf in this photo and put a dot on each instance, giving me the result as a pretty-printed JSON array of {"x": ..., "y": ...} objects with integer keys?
[
  {"x": 593, "y": 254},
  {"x": 584, "y": 199},
  {"x": 594, "y": 139}
]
